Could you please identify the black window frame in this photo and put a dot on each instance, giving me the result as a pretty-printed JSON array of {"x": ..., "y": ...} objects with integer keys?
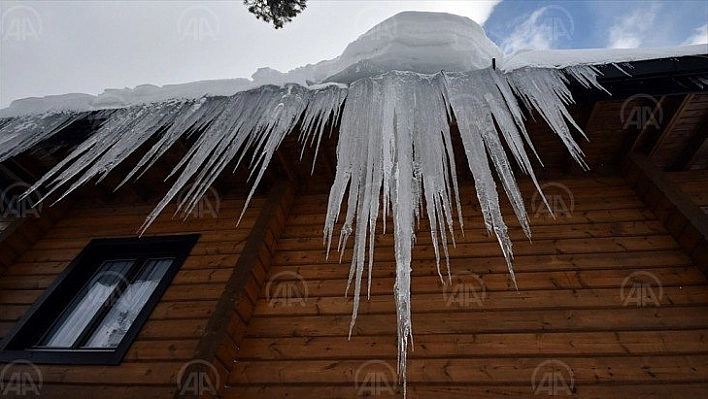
[{"x": 20, "y": 341}]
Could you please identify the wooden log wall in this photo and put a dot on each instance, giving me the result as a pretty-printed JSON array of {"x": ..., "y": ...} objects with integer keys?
[
  {"x": 173, "y": 331},
  {"x": 17, "y": 234},
  {"x": 678, "y": 210},
  {"x": 693, "y": 183},
  {"x": 609, "y": 305},
  {"x": 229, "y": 321}
]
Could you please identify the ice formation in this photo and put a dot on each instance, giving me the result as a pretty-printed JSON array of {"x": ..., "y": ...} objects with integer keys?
[
  {"x": 396, "y": 91},
  {"x": 394, "y": 154}
]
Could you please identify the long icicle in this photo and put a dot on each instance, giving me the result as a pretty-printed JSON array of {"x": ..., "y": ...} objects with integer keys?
[{"x": 394, "y": 152}]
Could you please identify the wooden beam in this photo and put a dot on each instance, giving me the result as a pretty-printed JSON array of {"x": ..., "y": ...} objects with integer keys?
[
  {"x": 642, "y": 136},
  {"x": 235, "y": 305},
  {"x": 695, "y": 146},
  {"x": 686, "y": 222},
  {"x": 287, "y": 165},
  {"x": 670, "y": 126}
]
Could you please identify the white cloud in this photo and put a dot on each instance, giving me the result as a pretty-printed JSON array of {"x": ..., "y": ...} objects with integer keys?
[
  {"x": 699, "y": 37},
  {"x": 632, "y": 30},
  {"x": 548, "y": 27}
]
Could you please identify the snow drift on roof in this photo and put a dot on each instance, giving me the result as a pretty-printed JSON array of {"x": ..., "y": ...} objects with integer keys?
[
  {"x": 394, "y": 150},
  {"x": 420, "y": 42}
]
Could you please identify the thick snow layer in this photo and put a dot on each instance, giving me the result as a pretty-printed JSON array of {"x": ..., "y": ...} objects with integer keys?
[
  {"x": 566, "y": 58},
  {"x": 394, "y": 152},
  {"x": 121, "y": 98},
  {"x": 410, "y": 41},
  {"x": 420, "y": 42},
  {"x": 416, "y": 42}
]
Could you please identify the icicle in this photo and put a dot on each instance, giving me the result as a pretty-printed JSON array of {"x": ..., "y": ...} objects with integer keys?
[
  {"x": 114, "y": 141},
  {"x": 19, "y": 134},
  {"x": 180, "y": 126},
  {"x": 394, "y": 153},
  {"x": 322, "y": 103},
  {"x": 546, "y": 91},
  {"x": 586, "y": 75}
]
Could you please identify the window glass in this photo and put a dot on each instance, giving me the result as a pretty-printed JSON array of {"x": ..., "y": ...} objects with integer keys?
[
  {"x": 93, "y": 312},
  {"x": 98, "y": 292},
  {"x": 120, "y": 317}
]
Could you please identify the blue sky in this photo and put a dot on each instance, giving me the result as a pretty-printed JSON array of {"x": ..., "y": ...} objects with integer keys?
[
  {"x": 514, "y": 25},
  {"x": 86, "y": 46}
]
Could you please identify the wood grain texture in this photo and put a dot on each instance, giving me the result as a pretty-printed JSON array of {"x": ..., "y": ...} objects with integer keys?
[
  {"x": 604, "y": 290},
  {"x": 178, "y": 323}
]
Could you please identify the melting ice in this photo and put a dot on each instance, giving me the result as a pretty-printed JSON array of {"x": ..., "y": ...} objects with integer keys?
[{"x": 394, "y": 153}]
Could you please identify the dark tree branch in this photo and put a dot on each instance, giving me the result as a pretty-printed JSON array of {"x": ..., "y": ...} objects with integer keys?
[{"x": 277, "y": 12}]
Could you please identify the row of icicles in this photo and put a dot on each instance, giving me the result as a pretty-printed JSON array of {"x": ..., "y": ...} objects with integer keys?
[{"x": 394, "y": 154}]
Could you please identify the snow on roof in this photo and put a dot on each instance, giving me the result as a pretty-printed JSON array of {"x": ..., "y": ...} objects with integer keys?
[
  {"x": 566, "y": 58},
  {"x": 394, "y": 134},
  {"x": 420, "y": 42}
]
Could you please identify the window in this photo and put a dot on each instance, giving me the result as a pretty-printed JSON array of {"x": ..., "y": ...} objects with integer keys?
[{"x": 97, "y": 306}]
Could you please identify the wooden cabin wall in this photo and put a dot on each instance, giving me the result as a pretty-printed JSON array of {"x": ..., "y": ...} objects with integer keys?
[
  {"x": 676, "y": 204},
  {"x": 17, "y": 234},
  {"x": 7, "y": 256},
  {"x": 608, "y": 306},
  {"x": 694, "y": 183},
  {"x": 169, "y": 338}
]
